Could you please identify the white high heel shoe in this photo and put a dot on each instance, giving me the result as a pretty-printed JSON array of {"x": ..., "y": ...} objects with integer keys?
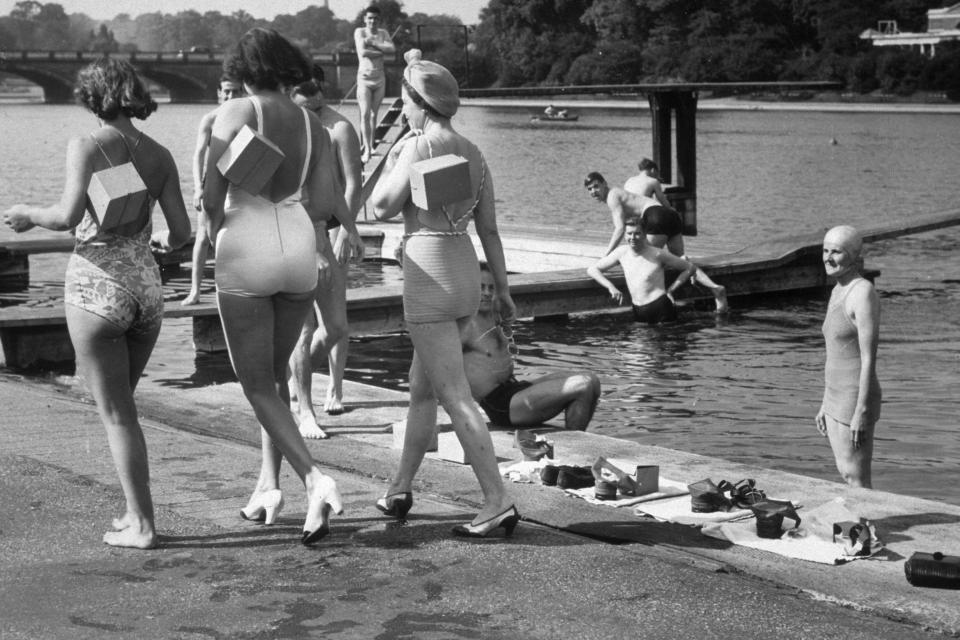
[
  {"x": 263, "y": 507},
  {"x": 324, "y": 499}
]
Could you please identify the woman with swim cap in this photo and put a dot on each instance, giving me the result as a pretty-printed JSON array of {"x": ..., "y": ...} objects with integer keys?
[
  {"x": 441, "y": 291},
  {"x": 851, "y": 397}
]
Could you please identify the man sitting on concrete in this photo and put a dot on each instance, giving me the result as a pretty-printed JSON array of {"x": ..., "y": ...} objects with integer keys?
[{"x": 488, "y": 357}]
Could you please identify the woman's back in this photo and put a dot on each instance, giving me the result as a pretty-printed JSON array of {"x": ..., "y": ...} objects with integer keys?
[
  {"x": 109, "y": 147},
  {"x": 283, "y": 123},
  {"x": 442, "y": 142}
]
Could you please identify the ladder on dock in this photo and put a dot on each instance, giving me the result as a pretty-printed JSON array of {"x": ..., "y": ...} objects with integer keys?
[{"x": 390, "y": 129}]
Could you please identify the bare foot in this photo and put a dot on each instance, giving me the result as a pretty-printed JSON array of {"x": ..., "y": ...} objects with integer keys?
[
  {"x": 365, "y": 156},
  {"x": 333, "y": 405},
  {"x": 130, "y": 537},
  {"x": 192, "y": 298},
  {"x": 310, "y": 429},
  {"x": 124, "y": 521},
  {"x": 720, "y": 293}
]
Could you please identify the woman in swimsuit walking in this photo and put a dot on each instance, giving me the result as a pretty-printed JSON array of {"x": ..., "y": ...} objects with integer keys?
[
  {"x": 266, "y": 267},
  {"x": 112, "y": 293},
  {"x": 852, "y": 396},
  {"x": 441, "y": 291}
]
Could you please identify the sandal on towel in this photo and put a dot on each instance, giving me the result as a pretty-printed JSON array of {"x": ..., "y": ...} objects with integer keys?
[
  {"x": 745, "y": 494},
  {"x": 624, "y": 482}
]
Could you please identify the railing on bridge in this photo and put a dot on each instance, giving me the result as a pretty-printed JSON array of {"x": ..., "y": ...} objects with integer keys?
[{"x": 188, "y": 56}]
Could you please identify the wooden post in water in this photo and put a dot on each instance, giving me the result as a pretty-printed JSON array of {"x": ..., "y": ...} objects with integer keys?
[{"x": 683, "y": 193}]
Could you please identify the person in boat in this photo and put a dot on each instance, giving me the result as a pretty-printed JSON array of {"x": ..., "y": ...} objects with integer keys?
[
  {"x": 325, "y": 330},
  {"x": 664, "y": 224},
  {"x": 550, "y": 111},
  {"x": 851, "y": 329},
  {"x": 441, "y": 291},
  {"x": 228, "y": 89},
  {"x": 643, "y": 269},
  {"x": 661, "y": 224},
  {"x": 267, "y": 260},
  {"x": 372, "y": 44},
  {"x": 113, "y": 296}
]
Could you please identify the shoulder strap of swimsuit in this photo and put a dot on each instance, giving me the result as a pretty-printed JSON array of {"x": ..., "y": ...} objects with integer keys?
[
  {"x": 102, "y": 150},
  {"x": 483, "y": 176},
  {"x": 309, "y": 150},
  {"x": 259, "y": 109}
]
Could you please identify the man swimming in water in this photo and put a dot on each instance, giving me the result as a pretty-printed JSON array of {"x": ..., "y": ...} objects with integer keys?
[
  {"x": 643, "y": 268},
  {"x": 663, "y": 225}
]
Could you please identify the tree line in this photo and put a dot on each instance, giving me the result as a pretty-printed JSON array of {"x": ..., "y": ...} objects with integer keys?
[{"x": 564, "y": 42}]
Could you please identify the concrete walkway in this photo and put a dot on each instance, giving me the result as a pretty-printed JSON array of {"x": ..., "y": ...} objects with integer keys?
[{"x": 571, "y": 569}]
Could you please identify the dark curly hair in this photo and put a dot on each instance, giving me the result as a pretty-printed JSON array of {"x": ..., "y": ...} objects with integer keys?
[
  {"x": 109, "y": 87},
  {"x": 266, "y": 60}
]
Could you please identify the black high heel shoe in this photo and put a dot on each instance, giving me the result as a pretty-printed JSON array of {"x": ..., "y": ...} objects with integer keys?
[
  {"x": 396, "y": 504},
  {"x": 507, "y": 519}
]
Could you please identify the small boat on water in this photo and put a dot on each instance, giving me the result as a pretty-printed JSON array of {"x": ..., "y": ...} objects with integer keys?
[{"x": 555, "y": 118}]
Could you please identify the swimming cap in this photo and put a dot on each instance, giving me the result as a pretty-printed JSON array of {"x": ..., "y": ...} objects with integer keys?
[{"x": 433, "y": 82}]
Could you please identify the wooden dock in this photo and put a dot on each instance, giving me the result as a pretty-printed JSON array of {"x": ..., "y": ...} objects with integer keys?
[{"x": 548, "y": 279}]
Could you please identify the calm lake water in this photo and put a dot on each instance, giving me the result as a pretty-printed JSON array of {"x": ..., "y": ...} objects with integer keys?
[{"x": 744, "y": 387}]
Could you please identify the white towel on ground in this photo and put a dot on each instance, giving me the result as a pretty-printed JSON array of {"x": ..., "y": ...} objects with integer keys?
[{"x": 812, "y": 540}]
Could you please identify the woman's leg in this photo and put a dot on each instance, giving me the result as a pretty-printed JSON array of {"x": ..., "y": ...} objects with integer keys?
[
  {"x": 854, "y": 464},
  {"x": 420, "y": 426},
  {"x": 440, "y": 351},
  {"x": 111, "y": 364},
  {"x": 260, "y": 335},
  {"x": 333, "y": 334}
]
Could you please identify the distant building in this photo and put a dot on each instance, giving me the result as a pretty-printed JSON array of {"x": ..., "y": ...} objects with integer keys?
[{"x": 943, "y": 25}]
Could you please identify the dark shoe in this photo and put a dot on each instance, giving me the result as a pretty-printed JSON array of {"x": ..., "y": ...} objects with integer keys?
[
  {"x": 396, "y": 505},
  {"x": 706, "y": 497},
  {"x": 575, "y": 477},
  {"x": 745, "y": 494},
  {"x": 605, "y": 490},
  {"x": 549, "y": 475},
  {"x": 508, "y": 520},
  {"x": 770, "y": 515}
]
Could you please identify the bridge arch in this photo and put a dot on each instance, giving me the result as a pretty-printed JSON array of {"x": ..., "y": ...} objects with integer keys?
[{"x": 57, "y": 82}]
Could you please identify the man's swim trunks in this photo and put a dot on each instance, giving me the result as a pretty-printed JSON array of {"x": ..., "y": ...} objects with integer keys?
[
  {"x": 660, "y": 310},
  {"x": 496, "y": 404},
  {"x": 659, "y": 220}
]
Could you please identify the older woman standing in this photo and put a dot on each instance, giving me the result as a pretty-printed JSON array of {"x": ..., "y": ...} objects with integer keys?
[
  {"x": 266, "y": 269},
  {"x": 441, "y": 277},
  {"x": 112, "y": 292},
  {"x": 851, "y": 397}
]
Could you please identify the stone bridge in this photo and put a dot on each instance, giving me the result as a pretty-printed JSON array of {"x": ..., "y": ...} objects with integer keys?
[{"x": 189, "y": 76}]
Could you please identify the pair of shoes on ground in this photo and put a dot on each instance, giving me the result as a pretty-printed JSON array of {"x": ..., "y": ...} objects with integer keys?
[
  {"x": 707, "y": 497},
  {"x": 567, "y": 476}
]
